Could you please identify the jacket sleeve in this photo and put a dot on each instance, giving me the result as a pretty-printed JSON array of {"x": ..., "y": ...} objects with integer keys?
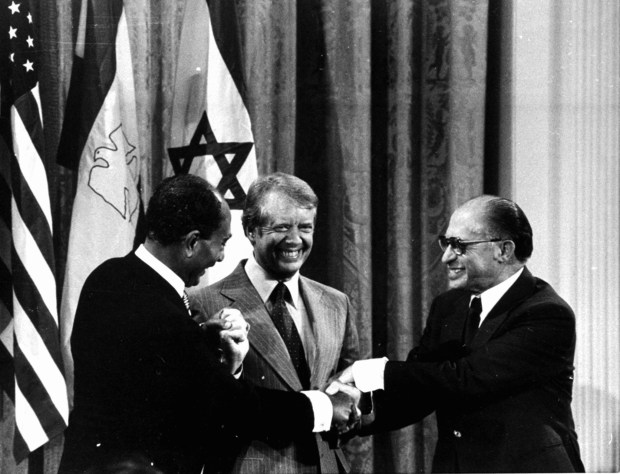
[
  {"x": 350, "y": 345},
  {"x": 205, "y": 302},
  {"x": 395, "y": 409},
  {"x": 533, "y": 346}
]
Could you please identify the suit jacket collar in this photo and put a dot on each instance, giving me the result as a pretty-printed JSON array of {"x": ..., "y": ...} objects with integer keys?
[
  {"x": 458, "y": 315},
  {"x": 147, "y": 277},
  {"x": 521, "y": 290},
  {"x": 265, "y": 285},
  {"x": 265, "y": 338}
]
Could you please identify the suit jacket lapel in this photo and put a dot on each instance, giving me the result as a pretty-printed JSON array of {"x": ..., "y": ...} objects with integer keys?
[
  {"x": 264, "y": 336},
  {"x": 522, "y": 289},
  {"x": 322, "y": 319},
  {"x": 454, "y": 331}
]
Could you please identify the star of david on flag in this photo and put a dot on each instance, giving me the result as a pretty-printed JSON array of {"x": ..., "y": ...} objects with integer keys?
[
  {"x": 183, "y": 157},
  {"x": 211, "y": 134}
]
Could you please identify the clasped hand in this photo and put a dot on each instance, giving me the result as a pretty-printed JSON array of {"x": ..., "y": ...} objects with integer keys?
[
  {"x": 345, "y": 400},
  {"x": 228, "y": 331}
]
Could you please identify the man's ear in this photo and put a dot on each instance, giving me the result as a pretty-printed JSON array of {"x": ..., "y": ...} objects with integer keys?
[
  {"x": 189, "y": 243},
  {"x": 250, "y": 235},
  {"x": 506, "y": 251}
]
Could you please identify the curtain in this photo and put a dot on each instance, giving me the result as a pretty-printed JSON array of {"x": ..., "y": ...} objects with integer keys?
[{"x": 378, "y": 105}]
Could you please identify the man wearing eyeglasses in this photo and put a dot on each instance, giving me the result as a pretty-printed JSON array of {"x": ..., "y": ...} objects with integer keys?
[{"x": 495, "y": 361}]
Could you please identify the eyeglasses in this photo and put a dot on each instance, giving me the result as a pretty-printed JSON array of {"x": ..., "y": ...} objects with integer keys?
[{"x": 459, "y": 246}]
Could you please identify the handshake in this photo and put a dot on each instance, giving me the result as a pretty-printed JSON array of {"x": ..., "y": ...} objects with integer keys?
[
  {"x": 227, "y": 332},
  {"x": 347, "y": 405}
]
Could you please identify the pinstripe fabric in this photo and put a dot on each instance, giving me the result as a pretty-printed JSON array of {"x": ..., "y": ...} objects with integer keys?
[{"x": 268, "y": 363}]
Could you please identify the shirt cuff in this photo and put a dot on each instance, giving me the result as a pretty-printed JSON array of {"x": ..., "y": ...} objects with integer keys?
[
  {"x": 322, "y": 408},
  {"x": 368, "y": 374}
]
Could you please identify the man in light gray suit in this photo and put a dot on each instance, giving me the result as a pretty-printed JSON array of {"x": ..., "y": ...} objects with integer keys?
[{"x": 302, "y": 331}]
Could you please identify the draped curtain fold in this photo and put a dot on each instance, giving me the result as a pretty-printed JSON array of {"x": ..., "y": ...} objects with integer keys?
[{"x": 380, "y": 106}]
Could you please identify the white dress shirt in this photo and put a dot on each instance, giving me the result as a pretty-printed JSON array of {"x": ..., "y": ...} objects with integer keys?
[
  {"x": 490, "y": 297},
  {"x": 162, "y": 270},
  {"x": 265, "y": 284}
]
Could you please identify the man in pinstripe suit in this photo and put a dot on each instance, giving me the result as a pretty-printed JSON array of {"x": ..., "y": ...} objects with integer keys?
[{"x": 279, "y": 220}]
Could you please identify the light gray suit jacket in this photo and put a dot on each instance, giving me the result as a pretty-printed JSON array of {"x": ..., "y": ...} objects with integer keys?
[{"x": 268, "y": 364}]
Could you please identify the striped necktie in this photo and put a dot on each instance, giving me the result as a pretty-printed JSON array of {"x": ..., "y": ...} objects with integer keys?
[{"x": 186, "y": 303}]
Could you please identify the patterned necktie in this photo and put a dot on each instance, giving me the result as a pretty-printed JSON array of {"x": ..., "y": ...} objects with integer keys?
[
  {"x": 286, "y": 327},
  {"x": 186, "y": 303},
  {"x": 473, "y": 320}
]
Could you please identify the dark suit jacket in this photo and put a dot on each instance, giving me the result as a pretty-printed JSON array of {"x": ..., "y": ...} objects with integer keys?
[
  {"x": 146, "y": 382},
  {"x": 268, "y": 363},
  {"x": 503, "y": 404}
]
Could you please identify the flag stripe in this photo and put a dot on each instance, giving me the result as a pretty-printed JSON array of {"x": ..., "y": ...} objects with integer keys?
[
  {"x": 6, "y": 286},
  {"x": 5, "y": 219},
  {"x": 32, "y": 276},
  {"x": 27, "y": 422},
  {"x": 6, "y": 293},
  {"x": 32, "y": 220},
  {"x": 20, "y": 449},
  {"x": 5, "y": 181},
  {"x": 7, "y": 335},
  {"x": 225, "y": 106},
  {"x": 42, "y": 394},
  {"x": 28, "y": 108},
  {"x": 226, "y": 34},
  {"x": 30, "y": 163},
  {"x": 36, "y": 312},
  {"x": 70, "y": 144},
  {"x": 7, "y": 374}
]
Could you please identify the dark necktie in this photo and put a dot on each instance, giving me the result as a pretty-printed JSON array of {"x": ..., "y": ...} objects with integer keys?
[
  {"x": 186, "y": 303},
  {"x": 286, "y": 327},
  {"x": 473, "y": 320}
]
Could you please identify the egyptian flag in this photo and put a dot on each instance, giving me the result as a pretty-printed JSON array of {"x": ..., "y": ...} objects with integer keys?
[
  {"x": 100, "y": 126},
  {"x": 30, "y": 358},
  {"x": 211, "y": 134}
]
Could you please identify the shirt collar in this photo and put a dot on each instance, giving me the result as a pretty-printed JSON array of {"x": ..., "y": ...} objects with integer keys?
[
  {"x": 490, "y": 297},
  {"x": 265, "y": 283},
  {"x": 162, "y": 270}
]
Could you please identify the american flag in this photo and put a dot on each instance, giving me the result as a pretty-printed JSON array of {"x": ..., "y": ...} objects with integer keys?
[{"x": 28, "y": 307}]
